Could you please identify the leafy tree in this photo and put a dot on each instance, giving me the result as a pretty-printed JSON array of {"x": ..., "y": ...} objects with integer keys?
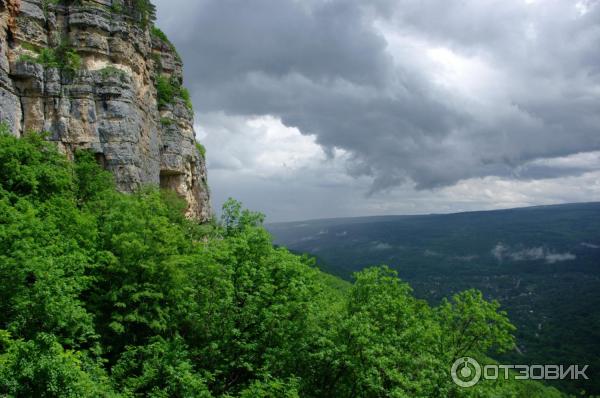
[
  {"x": 104, "y": 294},
  {"x": 167, "y": 89},
  {"x": 43, "y": 368},
  {"x": 159, "y": 369},
  {"x": 471, "y": 323},
  {"x": 32, "y": 168},
  {"x": 271, "y": 388}
]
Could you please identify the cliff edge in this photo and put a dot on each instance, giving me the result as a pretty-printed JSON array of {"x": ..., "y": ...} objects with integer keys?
[{"x": 97, "y": 74}]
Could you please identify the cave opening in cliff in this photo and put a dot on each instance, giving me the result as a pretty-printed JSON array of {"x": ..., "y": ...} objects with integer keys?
[
  {"x": 170, "y": 180},
  {"x": 10, "y": 38},
  {"x": 100, "y": 159}
]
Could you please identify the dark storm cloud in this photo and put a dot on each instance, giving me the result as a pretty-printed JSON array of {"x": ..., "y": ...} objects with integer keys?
[{"x": 359, "y": 76}]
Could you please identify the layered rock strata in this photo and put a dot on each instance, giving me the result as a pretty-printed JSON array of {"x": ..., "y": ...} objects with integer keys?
[{"x": 87, "y": 72}]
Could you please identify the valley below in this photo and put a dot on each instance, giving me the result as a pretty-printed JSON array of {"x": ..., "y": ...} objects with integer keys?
[{"x": 541, "y": 263}]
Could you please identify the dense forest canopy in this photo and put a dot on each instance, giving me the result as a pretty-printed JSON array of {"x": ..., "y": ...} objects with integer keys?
[{"x": 104, "y": 294}]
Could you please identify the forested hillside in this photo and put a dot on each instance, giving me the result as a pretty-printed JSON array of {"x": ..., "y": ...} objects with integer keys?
[
  {"x": 104, "y": 294},
  {"x": 541, "y": 263}
]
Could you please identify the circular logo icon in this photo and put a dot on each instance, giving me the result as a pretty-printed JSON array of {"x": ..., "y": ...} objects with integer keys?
[{"x": 466, "y": 372}]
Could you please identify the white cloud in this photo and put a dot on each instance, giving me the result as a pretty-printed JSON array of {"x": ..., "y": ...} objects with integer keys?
[
  {"x": 552, "y": 258},
  {"x": 277, "y": 170},
  {"x": 590, "y": 245},
  {"x": 381, "y": 246},
  {"x": 466, "y": 258},
  {"x": 502, "y": 252},
  {"x": 345, "y": 108},
  {"x": 259, "y": 145}
]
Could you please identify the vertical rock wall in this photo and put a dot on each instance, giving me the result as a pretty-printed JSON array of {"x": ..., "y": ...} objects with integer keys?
[{"x": 109, "y": 104}]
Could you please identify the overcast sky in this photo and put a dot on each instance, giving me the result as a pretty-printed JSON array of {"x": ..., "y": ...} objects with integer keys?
[{"x": 328, "y": 108}]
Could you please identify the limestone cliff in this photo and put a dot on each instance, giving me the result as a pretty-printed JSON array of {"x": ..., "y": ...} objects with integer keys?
[{"x": 87, "y": 71}]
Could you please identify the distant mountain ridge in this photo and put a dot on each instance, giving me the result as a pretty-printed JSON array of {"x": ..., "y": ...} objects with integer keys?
[{"x": 363, "y": 219}]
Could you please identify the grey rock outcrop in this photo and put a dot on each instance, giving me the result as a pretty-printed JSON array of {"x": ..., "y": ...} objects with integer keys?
[{"x": 109, "y": 104}]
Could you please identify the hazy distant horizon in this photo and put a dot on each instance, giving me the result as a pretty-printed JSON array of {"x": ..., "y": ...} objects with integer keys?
[{"x": 268, "y": 222}]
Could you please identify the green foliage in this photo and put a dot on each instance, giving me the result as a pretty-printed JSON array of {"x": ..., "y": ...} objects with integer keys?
[
  {"x": 62, "y": 57},
  {"x": 439, "y": 255},
  {"x": 156, "y": 32},
  {"x": 160, "y": 35},
  {"x": 159, "y": 369},
  {"x": 111, "y": 71},
  {"x": 31, "y": 167},
  {"x": 117, "y": 7},
  {"x": 271, "y": 388},
  {"x": 27, "y": 58},
  {"x": 106, "y": 294},
  {"x": 470, "y": 320},
  {"x": 157, "y": 59},
  {"x": 165, "y": 91},
  {"x": 201, "y": 149},
  {"x": 169, "y": 89},
  {"x": 141, "y": 11},
  {"x": 144, "y": 12},
  {"x": 185, "y": 95},
  {"x": 41, "y": 367},
  {"x": 165, "y": 121}
]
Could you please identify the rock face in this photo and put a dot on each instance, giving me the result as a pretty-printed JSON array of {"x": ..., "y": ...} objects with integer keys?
[{"x": 87, "y": 71}]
